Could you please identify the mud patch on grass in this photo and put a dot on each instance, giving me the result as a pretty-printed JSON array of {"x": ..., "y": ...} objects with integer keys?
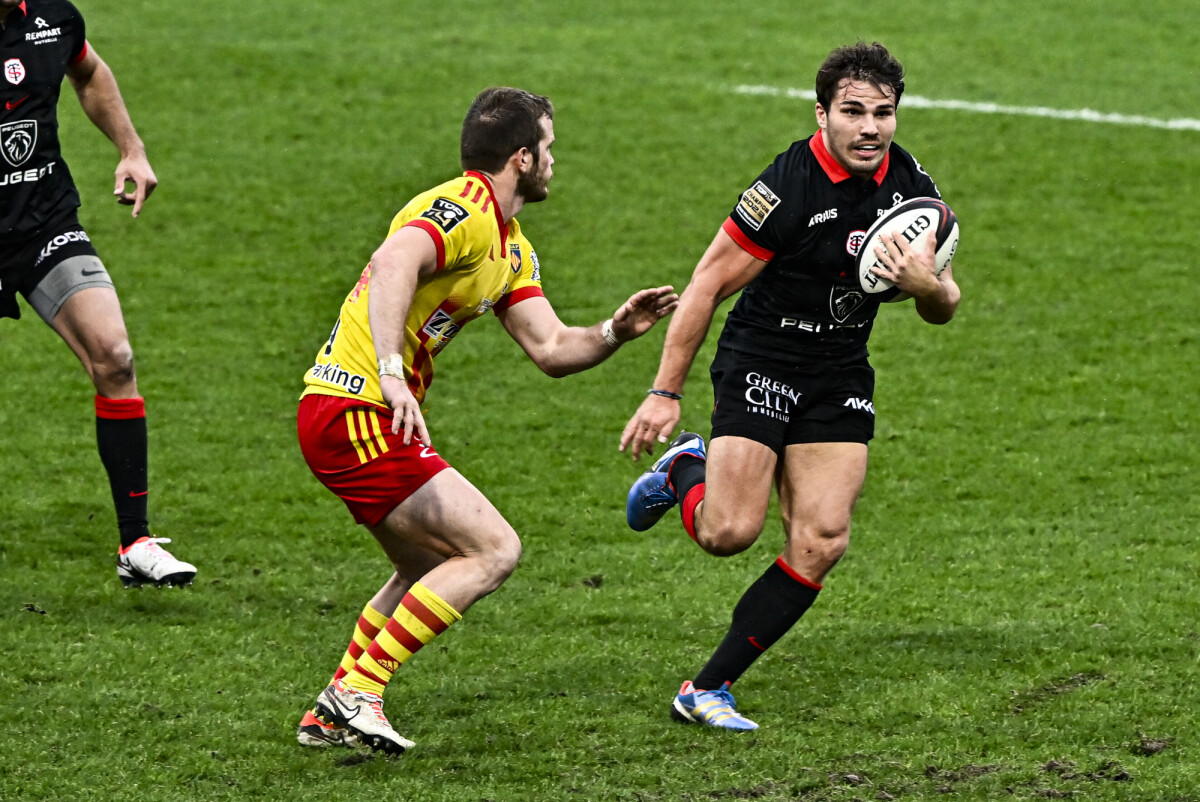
[{"x": 1024, "y": 699}]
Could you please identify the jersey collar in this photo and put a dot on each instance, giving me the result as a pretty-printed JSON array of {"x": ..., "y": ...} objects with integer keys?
[
  {"x": 837, "y": 174},
  {"x": 483, "y": 179}
]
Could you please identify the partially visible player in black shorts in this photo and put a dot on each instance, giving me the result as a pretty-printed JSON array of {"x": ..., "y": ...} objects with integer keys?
[
  {"x": 793, "y": 387},
  {"x": 48, "y": 258}
]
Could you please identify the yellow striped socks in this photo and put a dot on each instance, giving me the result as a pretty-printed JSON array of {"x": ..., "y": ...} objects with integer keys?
[{"x": 421, "y": 617}]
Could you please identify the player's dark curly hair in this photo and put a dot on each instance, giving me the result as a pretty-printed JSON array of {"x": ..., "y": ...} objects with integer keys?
[
  {"x": 501, "y": 121},
  {"x": 859, "y": 62}
]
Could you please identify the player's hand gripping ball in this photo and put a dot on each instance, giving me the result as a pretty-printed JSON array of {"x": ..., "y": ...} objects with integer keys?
[{"x": 916, "y": 220}]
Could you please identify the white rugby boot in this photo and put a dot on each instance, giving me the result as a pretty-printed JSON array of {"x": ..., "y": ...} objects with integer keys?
[{"x": 144, "y": 562}]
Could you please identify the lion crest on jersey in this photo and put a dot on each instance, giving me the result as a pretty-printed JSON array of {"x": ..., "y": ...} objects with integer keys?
[
  {"x": 17, "y": 141},
  {"x": 843, "y": 301}
]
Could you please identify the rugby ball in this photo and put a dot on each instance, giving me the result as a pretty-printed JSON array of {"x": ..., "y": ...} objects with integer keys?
[{"x": 915, "y": 220}]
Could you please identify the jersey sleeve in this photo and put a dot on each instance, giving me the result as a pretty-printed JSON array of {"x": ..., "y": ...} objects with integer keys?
[
  {"x": 923, "y": 182},
  {"x": 767, "y": 212},
  {"x": 460, "y": 233},
  {"x": 78, "y": 34},
  {"x": 527, "y": 281}
]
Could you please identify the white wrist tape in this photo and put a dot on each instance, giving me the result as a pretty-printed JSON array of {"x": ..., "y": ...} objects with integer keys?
[
  {"x": 392, "y": 365},
  {"x": 606, "y": 331}
]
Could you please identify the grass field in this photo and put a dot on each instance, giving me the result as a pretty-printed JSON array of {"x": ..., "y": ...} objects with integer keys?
[{"x": 1017, "y": 615}]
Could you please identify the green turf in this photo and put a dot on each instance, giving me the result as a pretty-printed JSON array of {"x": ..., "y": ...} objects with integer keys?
[{"x": 1016, "y": 617}]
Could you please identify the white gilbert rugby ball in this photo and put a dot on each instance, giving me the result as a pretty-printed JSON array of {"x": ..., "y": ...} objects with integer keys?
[{"x": 914, "y": 220}]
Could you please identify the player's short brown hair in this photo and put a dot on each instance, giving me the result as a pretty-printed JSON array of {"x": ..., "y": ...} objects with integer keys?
[
  {"x": 501, "y": 121},
  {"x": 859, "y": 62}
]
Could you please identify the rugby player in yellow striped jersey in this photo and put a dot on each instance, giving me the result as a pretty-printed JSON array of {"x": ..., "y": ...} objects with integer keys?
[{"x": 452, "y": 254}]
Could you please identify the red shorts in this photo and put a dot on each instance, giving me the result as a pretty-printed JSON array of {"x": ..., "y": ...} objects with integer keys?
[{"x": 349, "y": 446}]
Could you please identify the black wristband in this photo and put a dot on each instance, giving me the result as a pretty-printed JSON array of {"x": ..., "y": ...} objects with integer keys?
[{"x": 665, "y": 394}]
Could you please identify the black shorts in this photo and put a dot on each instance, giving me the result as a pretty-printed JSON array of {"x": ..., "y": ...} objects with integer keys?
[
  {"x": 23, "y": 265},
  {"x": 779, "y": 404}
]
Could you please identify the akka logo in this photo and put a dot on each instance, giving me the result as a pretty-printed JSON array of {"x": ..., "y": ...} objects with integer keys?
[
  {"x": 861, "y": 404},
  {"x": 17, "y": 141},
  {"x": 843, "y": 305},
  {"x": 855, "y": 242},
  {"x": 14, "y": 71},
  {"x": 537, "y": 266}
]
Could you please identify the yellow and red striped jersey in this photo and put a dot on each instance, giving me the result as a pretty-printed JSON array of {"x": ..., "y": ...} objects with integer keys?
[{"x": 482, "y": 264}]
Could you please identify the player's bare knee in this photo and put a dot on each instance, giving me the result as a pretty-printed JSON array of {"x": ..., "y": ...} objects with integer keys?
[
  {"x": 112, "y": 366},
  {"x": 727, "y": 538},
  {"x": 500, "y": 556},
  {"x": 829, "y": 543}
]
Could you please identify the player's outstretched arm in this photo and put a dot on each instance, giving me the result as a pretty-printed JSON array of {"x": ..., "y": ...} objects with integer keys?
[
  {"x": 101, "y": 100},
  {"x": 723, "y": 270},
  {"x": 560, "y": 350},
  {"x": 395, "y": 267}
]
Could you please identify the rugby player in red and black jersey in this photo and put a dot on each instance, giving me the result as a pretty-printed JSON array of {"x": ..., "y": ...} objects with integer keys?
[
  {"x": 793, "y": 388},
  {"x": 46, "y": 256}
]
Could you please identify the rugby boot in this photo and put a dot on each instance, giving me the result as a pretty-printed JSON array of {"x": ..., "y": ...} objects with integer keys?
[
  {"x": 710, "y": 708},
  {"x": 652, "y": 495},
  {"x": 315, "y": 732},
  {"x": 144, "y": 562},
  {"x": 362, "y": 713}
]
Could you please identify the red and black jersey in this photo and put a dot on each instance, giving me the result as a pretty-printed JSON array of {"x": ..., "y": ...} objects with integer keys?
[
  {"x": 807, "y": 217},
  {"x": 39, "y": 40}
]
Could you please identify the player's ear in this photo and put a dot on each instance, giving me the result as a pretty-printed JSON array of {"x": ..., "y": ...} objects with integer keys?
[{"x": 821, "y": 119}]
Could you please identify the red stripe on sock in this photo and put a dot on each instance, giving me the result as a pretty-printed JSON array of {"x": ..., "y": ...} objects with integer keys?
[
  {"x": 369, "y": 675},
  {"x": 120, "y": 408},
  {"x": 787, "y": 569},
  {"x": 688, "y": 508},
  {"x": 403, "y": 637},
  {"x": 424, "y": 614}
]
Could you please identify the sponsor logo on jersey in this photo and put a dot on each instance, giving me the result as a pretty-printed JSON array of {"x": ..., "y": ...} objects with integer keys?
[
  {"x": 822, "y": 217},
  {"x": 843, "y": 302},
  {"x": 334, "y": 373},
  {"x": 440, "y": 329},
  {"x": 514, "y": 257},
  {"x": 446, "y": 214},
  {"x": 28, "y": 176},
  {"x": 860, "y": 404},
  {"x": 756, "y": 205},
  {"x": 537, "y": 266},
  {"x": 66, "y": 238},
  {"x": 766, "y": 396},
  {"x": 855, "y": 241},
  {"x": 14, "y": 71},
  {"x": 897, "y": 199},
  {"x": 45, "y": 36},
  {"x": 17, "y": 141}
]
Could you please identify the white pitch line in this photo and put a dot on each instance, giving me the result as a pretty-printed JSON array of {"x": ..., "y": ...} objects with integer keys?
[{"x": 916, "y": 101}]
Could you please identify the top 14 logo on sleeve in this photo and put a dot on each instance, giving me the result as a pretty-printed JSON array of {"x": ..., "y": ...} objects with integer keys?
[{"x": 446, "y": 213}]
